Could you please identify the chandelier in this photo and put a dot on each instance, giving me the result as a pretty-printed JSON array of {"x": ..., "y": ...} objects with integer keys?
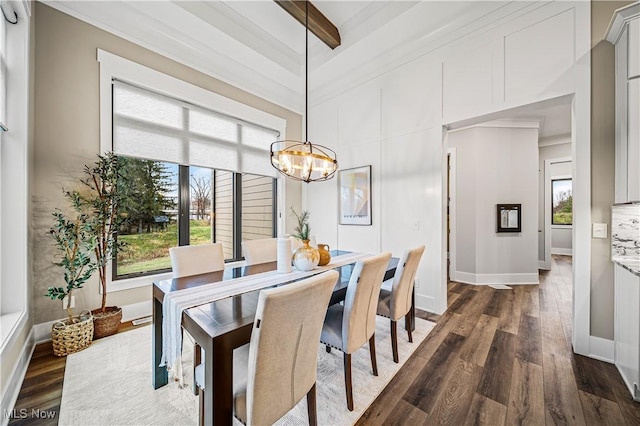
[{"x": 298, "y": 160}]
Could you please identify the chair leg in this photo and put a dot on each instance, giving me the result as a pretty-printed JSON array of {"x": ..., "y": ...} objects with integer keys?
[
  {"x": 372, "y": 352},
  {"x": 327, "y": 348},
  {"x": 197, "y": 359},
  {"x": 347, "y": 381},
  {"x": 394, "y": 341},
  {"x": 409, "y": 322},
  {"x": 311, "y": 406},
  {"x": 201, "y": 408}
]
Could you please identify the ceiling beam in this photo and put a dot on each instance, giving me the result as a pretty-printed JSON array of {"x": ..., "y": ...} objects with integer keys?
[{"x": 318, "y": 23}]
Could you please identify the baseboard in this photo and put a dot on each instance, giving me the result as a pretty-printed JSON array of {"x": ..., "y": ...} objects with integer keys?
[
  {"x": 427, "y": 303},
  {"x": 42, "y": 331},
  {"x": 10, "y": 397},
  {"x": 484, "y": 279},
  {"x": 601, "y": 349},
  {"x": 562, "y": 251},
  {"x": 137, "y": 310},
  {"x": 543, "y": 265}
]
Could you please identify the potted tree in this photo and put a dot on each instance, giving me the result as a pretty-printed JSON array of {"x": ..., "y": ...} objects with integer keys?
[
  {"x": 100, "y": 202},
  {"x": 74, "y": 240}
]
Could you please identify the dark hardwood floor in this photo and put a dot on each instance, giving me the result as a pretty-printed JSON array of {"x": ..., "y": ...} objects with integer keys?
[
  {"x": 495, "y": 357},
  {"x": 503, "y": 357},
  {"x": 39, "y": 398}
]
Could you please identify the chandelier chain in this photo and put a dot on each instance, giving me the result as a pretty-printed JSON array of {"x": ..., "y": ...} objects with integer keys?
[{"x": 306, "y": 71}]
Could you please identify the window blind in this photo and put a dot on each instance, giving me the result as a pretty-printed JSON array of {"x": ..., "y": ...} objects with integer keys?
[{"x": 157, "y": 127}]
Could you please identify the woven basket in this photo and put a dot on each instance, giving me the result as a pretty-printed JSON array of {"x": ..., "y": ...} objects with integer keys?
[
  {"x": 106, "y": 324},
  {"x": 68, "y": 338}
]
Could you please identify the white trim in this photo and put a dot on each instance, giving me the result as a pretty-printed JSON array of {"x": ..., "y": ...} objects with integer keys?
[
  {"x": 148, "y": 280},
  {"x": 137, "y": 310},
  {"x": 547, "y": 206},
  {"x": 554, "y": 140},
  {"x": 42, "y": 331},
  {"x": 581, "y": 172},
  {"x": 619, "y": 20},
  {"x": 502, "y": 123},
  {"x": 452, "y": 209},
  {"x": 541, "y": 265},
  {"x": 10, "y": 394},
  {"x": 137, "y": 282},
  {"x": 484, "y": 279},
  {"x": 601, "y": 349},
  {"x": 561, "y": 226},
  {"x": 428, "y": 303},
  {"x": 439, "y": 295},
  {"x": 113, "y": 66},
  {"x": 562, "y": 251},
  {"x": 11, "y": 323}
]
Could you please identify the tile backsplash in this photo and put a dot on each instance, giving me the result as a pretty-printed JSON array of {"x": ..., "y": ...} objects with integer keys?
[{"x": 625, "y": 232}]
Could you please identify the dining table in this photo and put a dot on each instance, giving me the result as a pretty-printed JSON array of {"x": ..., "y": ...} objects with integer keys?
[{"x": 221, "y": 326}]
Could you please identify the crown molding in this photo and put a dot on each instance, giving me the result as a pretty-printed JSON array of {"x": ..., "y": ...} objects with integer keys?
[{"x": 619, "y": 21}]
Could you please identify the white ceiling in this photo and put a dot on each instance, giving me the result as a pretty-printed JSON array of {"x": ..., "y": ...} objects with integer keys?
[{"x": 258, "y": 47}]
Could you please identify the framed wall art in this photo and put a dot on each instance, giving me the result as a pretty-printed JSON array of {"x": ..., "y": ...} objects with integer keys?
[
  {"x": 354, "y": 203},
  {"x": 509, "y": 218}
]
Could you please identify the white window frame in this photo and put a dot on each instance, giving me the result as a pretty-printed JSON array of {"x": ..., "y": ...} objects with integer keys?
[
  {"x": 560, "y": 177},
  {"x": 14, "y": 181},
  {"x": 116, "y": 67}
]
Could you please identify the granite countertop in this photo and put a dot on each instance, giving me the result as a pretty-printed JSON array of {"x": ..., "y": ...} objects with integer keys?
[{"x": 631, "y": 265}]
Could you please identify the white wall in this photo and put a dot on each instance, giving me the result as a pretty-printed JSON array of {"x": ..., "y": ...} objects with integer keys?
[
  {"x": 372, "y": 126},
  {"x": 495, "y": 165},
  {"x": 394, "y": 121}
]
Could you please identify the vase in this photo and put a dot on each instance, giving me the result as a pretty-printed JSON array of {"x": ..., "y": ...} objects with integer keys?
[
  {"x": 306, "y": 257},
  {"x": 325, "y": 256}
]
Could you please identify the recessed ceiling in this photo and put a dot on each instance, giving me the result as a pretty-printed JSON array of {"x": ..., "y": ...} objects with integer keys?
[{"x": 258, "y": 47}]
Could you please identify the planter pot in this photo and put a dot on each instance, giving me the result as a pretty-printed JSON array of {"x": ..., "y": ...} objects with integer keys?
[
  {"x": 306, "y": 257},
  {"x": 70, "y": 336},
  {"x": 106, "y": 324}
]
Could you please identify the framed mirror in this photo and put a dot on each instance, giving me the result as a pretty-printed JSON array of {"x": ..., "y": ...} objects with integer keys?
[{"x": 509, "y": 218}]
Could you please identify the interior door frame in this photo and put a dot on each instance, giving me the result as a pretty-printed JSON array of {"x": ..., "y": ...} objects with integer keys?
[
  {"x": 547, "y": 206},
  {"x": 451, "y": 185}
]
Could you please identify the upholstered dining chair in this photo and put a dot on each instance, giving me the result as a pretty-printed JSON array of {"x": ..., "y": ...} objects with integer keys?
[
  {"x": 397, "y": 302},
  {"x": 279, "y": 365},
  {"x": 262, "y": 250},
  {"x": 196, "y": 259},
  {"x": 193, "y": 260},
  {"x": 348, "y": 327}
]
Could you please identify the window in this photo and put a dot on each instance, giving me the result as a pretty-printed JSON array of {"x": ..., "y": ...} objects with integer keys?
[
  {"x": 561, "y": 202},
  {"x": 176, "y": 187},
  {"x": 14, "y": 155}
]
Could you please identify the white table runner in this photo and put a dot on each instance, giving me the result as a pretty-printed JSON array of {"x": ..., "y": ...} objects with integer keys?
[{"x": 175, "y": 302}]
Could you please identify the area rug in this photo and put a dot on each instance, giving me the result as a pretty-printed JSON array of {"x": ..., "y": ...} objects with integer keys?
[{"x": 109, "y": 383}]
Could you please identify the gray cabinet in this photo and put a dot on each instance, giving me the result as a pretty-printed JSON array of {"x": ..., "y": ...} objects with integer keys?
[
  {"x": 624, "y": 33},
  {"x": 627, "y": 328}
]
